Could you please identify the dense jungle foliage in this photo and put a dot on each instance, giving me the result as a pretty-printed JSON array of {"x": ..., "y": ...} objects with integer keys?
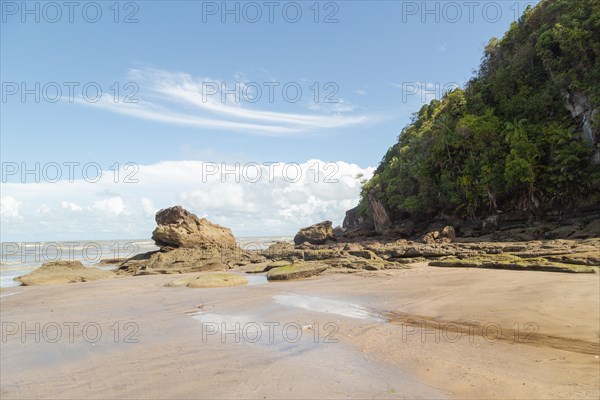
[{"x": 507, "y": 140}]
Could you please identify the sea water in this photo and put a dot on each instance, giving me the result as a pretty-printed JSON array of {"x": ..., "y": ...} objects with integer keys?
[{"x": 20, "y": 258}]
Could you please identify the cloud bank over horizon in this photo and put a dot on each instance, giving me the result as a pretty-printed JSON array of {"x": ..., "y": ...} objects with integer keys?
[{"x": 253, "y": 199}]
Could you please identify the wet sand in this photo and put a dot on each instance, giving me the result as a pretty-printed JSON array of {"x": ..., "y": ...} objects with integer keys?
[{"x": 424, "y": 332}]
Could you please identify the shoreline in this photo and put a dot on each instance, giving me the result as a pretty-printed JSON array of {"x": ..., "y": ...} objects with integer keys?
[
  {"x": 25, "y": 257},
  {"x": 172, "y": 360}
]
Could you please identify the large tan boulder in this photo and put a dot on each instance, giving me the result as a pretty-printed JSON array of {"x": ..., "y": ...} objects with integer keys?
[
  {"x": 446, "y": 235},
  {"x": 178, "y": 228},
  {"x": 60, "y": 272},
  {"x": 315, "y": 234},
  {"x": 188, "y": 244}
]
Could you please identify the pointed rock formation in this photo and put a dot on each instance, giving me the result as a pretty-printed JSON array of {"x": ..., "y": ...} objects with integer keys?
[{"x": 188, "y": 244}]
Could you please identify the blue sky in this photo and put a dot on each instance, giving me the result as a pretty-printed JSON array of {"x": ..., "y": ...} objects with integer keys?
[{"x": 177, "y": 52}]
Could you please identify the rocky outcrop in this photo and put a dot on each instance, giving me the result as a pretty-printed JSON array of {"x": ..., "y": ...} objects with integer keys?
[
  {"x": 445, "y": 235},
  {"x": 517, "y": 266},
  {"x": 280, "y": 248},
  {"x": 315, "y": 234},
  {"x": 315, "y": 252},
  {"x": 517, "y": 225},
  {"x": 61, "y": 272},
  {"x": 448, "y": 233},
  {"x": 188, "y": 244},
  {"x": 177, "y": 261},
  {"x": 387, "y": 254},
  {"x": 178, "y": 228},
  {"x": 355, "y": 224},
  {"x": 353, "y": 219}
]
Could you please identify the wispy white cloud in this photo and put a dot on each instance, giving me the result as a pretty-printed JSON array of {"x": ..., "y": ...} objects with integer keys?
[
  {"x": 179, "y": 98},
  {"x": 153, "y": 112}
]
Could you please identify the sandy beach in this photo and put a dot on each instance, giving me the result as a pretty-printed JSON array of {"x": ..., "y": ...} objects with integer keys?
[{"x": 424, "y": 332}]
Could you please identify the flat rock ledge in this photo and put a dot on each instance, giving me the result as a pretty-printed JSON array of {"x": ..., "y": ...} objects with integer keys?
[
  {"x": 296, "y": 270},
  {"x": 574, "y": 256},
  {"x": 61, "y": 272}
]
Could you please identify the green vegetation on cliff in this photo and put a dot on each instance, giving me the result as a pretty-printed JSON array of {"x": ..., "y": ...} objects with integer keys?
[{"x": 511, "y": 139}]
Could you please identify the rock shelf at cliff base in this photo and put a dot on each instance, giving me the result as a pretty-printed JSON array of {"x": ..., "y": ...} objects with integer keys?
[
  {"x": 203, "y": 246},
  {"x": 190, "y": 244}
]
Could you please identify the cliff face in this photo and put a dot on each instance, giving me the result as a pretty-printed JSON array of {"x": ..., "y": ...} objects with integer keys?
[
  {"x": 381, "y": 219},
  {"x": 520, "y": 143},
  {"x": 580, "y": 106}
]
